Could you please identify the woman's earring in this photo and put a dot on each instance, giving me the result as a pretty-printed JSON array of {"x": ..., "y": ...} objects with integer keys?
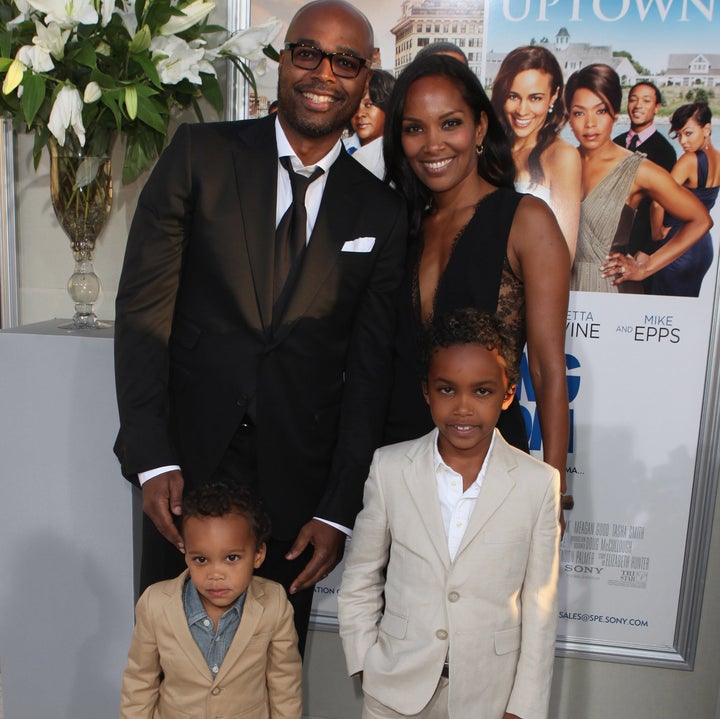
[
  {"x": 479, "y": 149},
  {"x": 550, "y": 109}
]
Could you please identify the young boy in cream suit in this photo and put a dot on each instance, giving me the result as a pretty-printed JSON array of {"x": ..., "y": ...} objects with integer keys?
[
  {"x": 215, "y": 641},
  {"x": 448, "y": 604}
]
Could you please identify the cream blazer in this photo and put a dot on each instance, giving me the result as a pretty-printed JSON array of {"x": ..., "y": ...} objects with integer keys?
[
  {"x": 167, "y": 677},
  {"x": 492, "y": 611}
]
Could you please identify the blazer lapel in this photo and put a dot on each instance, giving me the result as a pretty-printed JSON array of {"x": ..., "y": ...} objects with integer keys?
[
  {"x": 251, "y": 615},
  {"x": 337, "y": 213},
  {"x": 421, "y": 482},
  {"x": 496, "y": 486},
  {"x": 177, "y": 621},
  {"x": 255, "y": 159}
]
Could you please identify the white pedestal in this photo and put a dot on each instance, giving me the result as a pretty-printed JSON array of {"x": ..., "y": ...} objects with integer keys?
[{"x": 66, "y": 545}]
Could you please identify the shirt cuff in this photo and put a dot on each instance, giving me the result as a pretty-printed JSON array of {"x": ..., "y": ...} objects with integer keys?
[
  {"x": 344, "y": 530},
  {"x": 144, "y": 476}
]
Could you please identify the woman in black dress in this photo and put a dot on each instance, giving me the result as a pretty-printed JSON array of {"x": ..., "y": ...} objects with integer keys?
[{"x": 475, "y": 242}]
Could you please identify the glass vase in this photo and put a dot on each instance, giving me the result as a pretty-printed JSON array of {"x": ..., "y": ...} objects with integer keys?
[{"x": 81, "y": 191}]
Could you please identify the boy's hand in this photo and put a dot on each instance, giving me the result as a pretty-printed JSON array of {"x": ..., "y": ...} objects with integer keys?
[
  {"x": 329, "y": 545},
  {"x": 161, "y": 495}
]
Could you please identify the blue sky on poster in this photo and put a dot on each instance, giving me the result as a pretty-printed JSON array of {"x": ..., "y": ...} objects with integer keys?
[{"x": 649, "y": 29}]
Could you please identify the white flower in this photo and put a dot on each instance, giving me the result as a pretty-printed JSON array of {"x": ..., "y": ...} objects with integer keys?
[
  {"x": 249, "y": 43},
  {"x": 49, "y": 41},
  {"x": 176, "y": 60},
  {"x": 67, "y": 112},
  {"x": 192, "y": 14},
  {"x": 52, "y": 38},
  {"x": 128, "y": 17},
  {"x": 35, "y": 57},
  {"x": 106, "y": 11},
  {"x": 67, "y": 13},
  {"x": 92, "y": 93}
]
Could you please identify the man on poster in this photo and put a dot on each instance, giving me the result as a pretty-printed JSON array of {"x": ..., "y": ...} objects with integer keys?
[
  {"x": 253, "y": 328},
  {"x": 644, "y": 101}
]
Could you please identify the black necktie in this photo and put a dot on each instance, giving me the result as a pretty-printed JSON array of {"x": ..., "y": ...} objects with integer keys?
[
  {"x": 290, "y": 237},
  {"x": 634, "y": 142}
]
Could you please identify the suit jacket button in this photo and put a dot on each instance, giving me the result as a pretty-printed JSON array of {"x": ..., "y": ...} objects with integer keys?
[
  {"x": 441, "y": 634},
  {"x": 215, "y": 691},
  {"x": 453, "y": 596}
]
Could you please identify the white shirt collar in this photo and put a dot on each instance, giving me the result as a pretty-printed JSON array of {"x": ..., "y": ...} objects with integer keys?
[
  {"x": 285, "y": 148},
  {"x": 439, "y": 462}
]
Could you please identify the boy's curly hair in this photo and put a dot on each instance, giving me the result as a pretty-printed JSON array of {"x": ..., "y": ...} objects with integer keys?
[
  {"x": 467, "y": 326},
  {"x": 217, "y": 499}
]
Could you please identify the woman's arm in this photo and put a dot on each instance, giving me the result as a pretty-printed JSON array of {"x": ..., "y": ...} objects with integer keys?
[
  {"x": 539, "y": 256},
  {"x": 684, "y": 172},
  {"x": 564, "y": 173},
  {"x": 679, "y": 202}
]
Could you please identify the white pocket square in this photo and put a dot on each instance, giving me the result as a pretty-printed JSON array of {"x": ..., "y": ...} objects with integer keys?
[{"x": 360, "y": 244}]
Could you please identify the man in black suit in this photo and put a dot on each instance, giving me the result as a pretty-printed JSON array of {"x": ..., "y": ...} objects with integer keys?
[
  {"x": 644, "y": 100},
  {"x": 238, "y": 358}
]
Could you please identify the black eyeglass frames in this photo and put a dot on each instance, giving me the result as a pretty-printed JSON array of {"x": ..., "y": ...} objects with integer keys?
[{"x": 307, "y": 57}]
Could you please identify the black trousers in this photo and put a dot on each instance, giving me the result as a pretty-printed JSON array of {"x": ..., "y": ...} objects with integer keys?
[{"x": 161, "y": 560}]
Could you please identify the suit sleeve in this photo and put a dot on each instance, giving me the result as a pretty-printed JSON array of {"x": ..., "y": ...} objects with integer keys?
[
  {"x": 360, "y": 602},
  {"x": 141, "y": 678},
  {"x": 368, "y": 376},
  {"x": 144, "y": 310},
  {"x": 284, "y": 667},
  {"x": 531, "y": 691}
]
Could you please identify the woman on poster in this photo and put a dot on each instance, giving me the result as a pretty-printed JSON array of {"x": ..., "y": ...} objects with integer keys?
[
  {"x": 614, "y": 180},
  {"x": 698, "y": 170},
  {"x": 475, "y": 242},
  {"x": 528, "y": 98}
]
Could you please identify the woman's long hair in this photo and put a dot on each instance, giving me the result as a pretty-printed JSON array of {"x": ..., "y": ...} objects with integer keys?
[
  {"x": 495, "y": 164},
  {"x": 532, "y": 57}
]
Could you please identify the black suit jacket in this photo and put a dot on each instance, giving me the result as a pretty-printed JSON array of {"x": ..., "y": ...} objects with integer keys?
[
  {"x": 661, "y": 152},
  {"x": 195, "y": 347}
]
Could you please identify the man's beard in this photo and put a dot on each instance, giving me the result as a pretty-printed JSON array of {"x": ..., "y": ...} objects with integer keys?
[{"x": 315, "y": 127}]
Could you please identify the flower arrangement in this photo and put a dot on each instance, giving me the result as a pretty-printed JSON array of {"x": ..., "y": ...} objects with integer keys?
[{"x": 80, "y": 72}]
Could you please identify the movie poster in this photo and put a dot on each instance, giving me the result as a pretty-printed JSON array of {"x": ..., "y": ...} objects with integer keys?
[{"x": 636, "y": 364}]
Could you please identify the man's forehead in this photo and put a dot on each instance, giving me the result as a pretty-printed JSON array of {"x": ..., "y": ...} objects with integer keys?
[{"x": 332, "y": 24}]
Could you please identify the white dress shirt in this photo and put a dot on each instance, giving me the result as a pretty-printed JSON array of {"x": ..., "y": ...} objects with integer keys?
[{"x": 457, "y": 506}]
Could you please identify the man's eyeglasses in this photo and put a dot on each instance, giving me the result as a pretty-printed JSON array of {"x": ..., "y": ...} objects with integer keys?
[{"x": 307, "y": 57}]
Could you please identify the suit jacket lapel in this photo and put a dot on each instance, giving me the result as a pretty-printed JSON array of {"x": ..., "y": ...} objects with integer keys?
[
  {"x": 177, "y": 621},
  {"x": 496, "y": 486},
  {"x": 256, "y": 175},
  {"x": 251, "y": 615},
  {"x": 337, "y": 213},
  {"x": 421, "y": 482}
]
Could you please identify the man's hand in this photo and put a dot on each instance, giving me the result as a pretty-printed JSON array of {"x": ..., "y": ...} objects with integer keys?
[
  {"x": 507, "y": 715},
  {"x": 329, "y": 544},
  {"x": 162, "y": 495}
]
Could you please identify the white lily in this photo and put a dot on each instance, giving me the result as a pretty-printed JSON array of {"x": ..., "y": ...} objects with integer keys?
[
  {"x": 67, "y": 13},
  {"x": 176, "y": 60},
  {"x": 67, "y": 112},
  {"x": 92, "y": 93},
  {"x": 192, "y": 14},
  {"x": 51, "y": 37},
  {"x": 24, "y": 8},
  {"x": 106, "y": 11},
  {"x": 128, "y": 17},
  {"x": 35, "y": 57},
  {"x": 248, "y": 43}
]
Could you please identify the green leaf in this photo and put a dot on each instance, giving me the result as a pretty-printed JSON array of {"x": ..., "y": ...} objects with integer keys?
[
  {"x": 33, "y": 95},
  {"x": 5, "y": 63},
  {"x": 271, "y": 52},
  {"x": 86, "y": 56},
  {"x": 151, "y": 112},
  {"x": 140, "y": 153},
  {"x": 212, "y": 92},
  {"x": 143, "y": 59},
  {"x": 112, "y": 103}
]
